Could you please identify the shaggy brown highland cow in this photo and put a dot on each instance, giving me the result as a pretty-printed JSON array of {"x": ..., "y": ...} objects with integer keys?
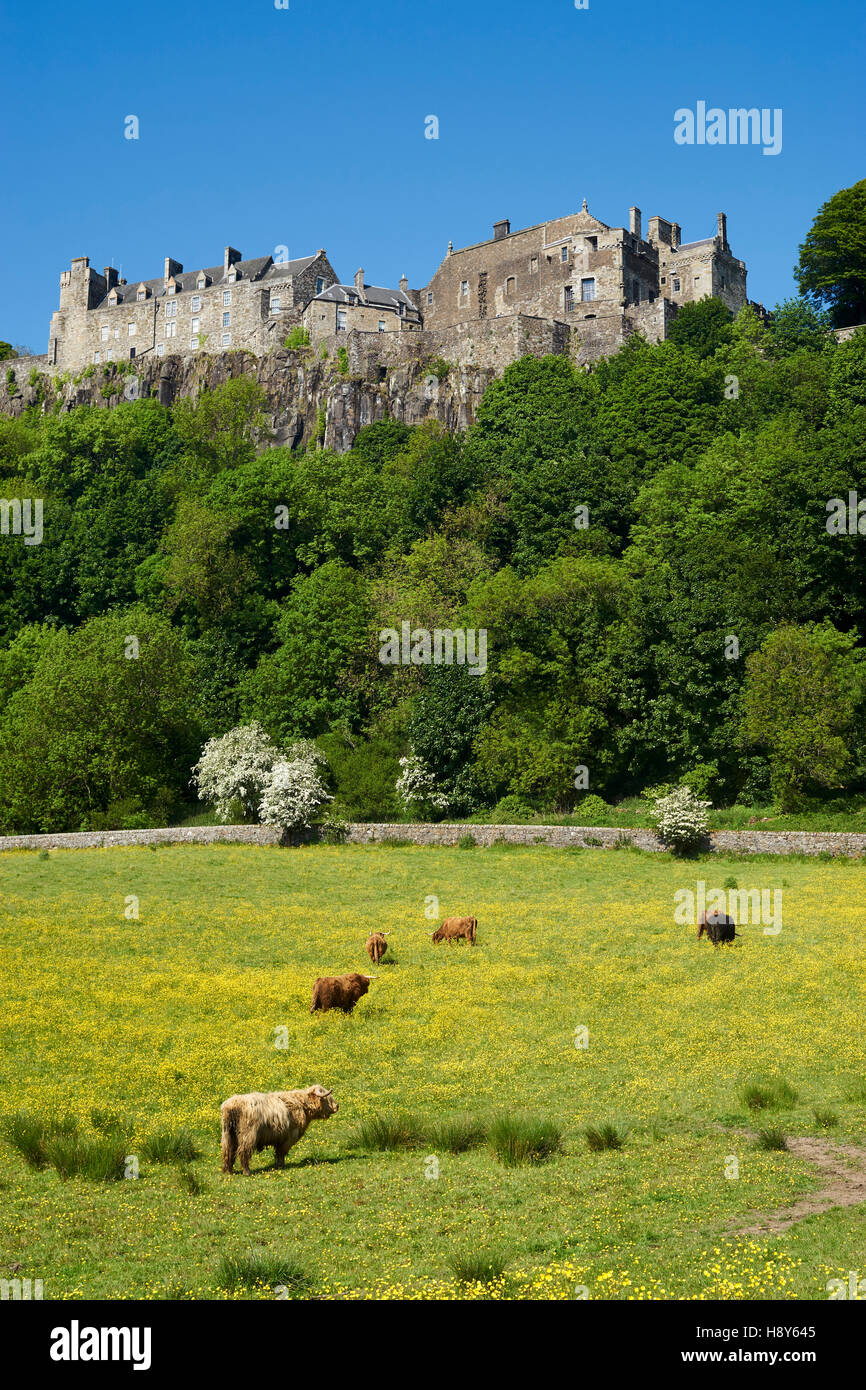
[
  {"x": 717, "y": 925},
  {"x": 263, "y": 1119},
  {"x": 457, "y": 929},
  {"x": 376, "y": 946},
  {"x": 339, "y": 992}
]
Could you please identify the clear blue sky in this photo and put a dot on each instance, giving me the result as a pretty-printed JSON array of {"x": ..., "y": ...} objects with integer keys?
[{"x": 304, "y": 127}]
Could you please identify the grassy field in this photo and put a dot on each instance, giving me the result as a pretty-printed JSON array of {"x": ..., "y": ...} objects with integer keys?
[{"x": 160, "y": 1018}]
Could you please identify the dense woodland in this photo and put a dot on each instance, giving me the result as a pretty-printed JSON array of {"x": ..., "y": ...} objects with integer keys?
[{"x": 256, "y": 581}]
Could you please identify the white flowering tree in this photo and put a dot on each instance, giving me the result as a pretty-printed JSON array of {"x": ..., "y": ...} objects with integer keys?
[
  {"x": 417, "y": 789},
  {"x": 235, "y": 768},
  {"x": 294, "y": 793},
  {"x": 681, "y": 818}
]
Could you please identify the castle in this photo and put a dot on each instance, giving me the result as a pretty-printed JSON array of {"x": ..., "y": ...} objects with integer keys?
[{"x": 572, "y": 285}]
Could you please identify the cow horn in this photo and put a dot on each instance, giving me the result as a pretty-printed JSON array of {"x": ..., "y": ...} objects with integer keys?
[{"x": 370, "y": 977}]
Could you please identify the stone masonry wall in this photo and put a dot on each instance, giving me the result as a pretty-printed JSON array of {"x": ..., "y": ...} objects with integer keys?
[{"x": 728, "y": 842}]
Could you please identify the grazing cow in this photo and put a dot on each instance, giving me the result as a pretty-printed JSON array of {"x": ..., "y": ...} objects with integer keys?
[
  {"x": 339, "y": 992},
  {"x": 717, "y": 925},
  {"x": 264, "y": 1118},
  {"x": 457, "y": 929},
  {"x": 377, "y": 945}
]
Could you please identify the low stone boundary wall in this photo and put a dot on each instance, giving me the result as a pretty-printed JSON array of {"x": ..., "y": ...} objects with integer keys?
[{"x": 736, "y": 842}]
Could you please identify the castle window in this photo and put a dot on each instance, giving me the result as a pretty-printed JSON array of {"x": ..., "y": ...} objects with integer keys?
[
  {"x": 533, "y": 265},
  {"x": 227, "y": 296},
  {"x": 275, "y": 303},
  {"x": 117, "y": 332},
  {"x": 676, "y": 286},
  {"x": 96, "y": 357},
  {"x": 587, "y": 289},
  {"x": 131, "y": 330},
  {"x": 227, "y": 337},
  {"x": 429, "y": 296},
  {"x": 171, "y": 330},
  {"x": 172, "y": 289},
  {"x": 232, "y": 277},
  {"x": 592, "y": 243},
  {"x": 227, "y": 318},
  {"x": 142, "y": 294},
  {"x": 381, "y": 325},
  {"x": 196, "y": 304},
  {"x": 664, "y": 279},
  {"x": 193, "y": 342},
  {"x": 341, "y": 320},
  {"x": 510, "y": 284},
  {"x": 464, "y": 288},
  {"x": 160, "y": 348},
  {"x": 170, "y": 311},
  {"x": 569, "y": 299},
  {"x": 194, "y": 326},
  {"x": 200, "y": 283},
  {"x": 103, "y": 332},
  {"x": 320, "y": 285},
  {"x": 564, "y": 253}
]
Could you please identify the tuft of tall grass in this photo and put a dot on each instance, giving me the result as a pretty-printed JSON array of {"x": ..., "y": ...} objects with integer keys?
[
  {"x": 171, "y": 1146},
  {"x": 477, "y": 1267},
  {"x": 769, "y": 1093},
  {"x": 189, "y": 1181},
  {"x": 825, "y": 1118},
  {"x": 772, "y": 1138},
  {"x": 601, "y": 1137},
  {"x": 517, "y": 1139},
  {"x": 391, "y": 1132},
  {"x": 29, "y": 1134},
  {"x": 102, "y": 1159},
  {"x": 257, "y": 1271},
  {"x": 457, "y": 1134}
]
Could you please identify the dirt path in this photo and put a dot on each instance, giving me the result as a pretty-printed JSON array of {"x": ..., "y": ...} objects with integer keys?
[{"x": 844, "y": 1167}]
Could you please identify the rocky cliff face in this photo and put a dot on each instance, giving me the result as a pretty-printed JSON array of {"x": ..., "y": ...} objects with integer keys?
[{"x": 308, "y": 400}]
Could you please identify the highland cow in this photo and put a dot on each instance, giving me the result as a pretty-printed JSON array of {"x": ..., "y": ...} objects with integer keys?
[
  {"x": 377, "y": 945},
  {"x": 457, "y": 929},
  {"x": 717, "y": 925},
  {"x": 339, "y": 992},
  {"x": 264, "y": 1119}
]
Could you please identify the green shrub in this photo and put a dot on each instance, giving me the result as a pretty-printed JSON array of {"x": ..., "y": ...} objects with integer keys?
[
  {"x": 466, "y": 842},
  {"x": 592, "y": 810},
  {"x": 189, "y": 1181},
  {"x": 517, "y": 1139},
  {"x": 824, "y": 1117},
  {"x": 343, "y": 361},
  {"x": 298, "y": 338}
]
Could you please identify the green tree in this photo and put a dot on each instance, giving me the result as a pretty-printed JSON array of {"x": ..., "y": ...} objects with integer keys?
[
  {"x": 97, "y": 731},
  {"x": 801, "y": 702},
  {"x": 702, "y": 326},
  {"x": 832, "y": 264}
]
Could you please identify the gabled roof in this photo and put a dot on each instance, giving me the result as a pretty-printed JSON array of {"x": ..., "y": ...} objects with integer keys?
[
  {"x": 375, "y": 295},
  {"x": 186, "y": 281},
  {"x": 282, "y": 269}
]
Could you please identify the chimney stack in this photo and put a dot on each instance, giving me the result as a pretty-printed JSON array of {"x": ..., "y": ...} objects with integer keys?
[
  {"x": 723, "y": 229},
  {"x": 110, "y": 278},
  {"x": 501, "y": 229},
  {"x": 675, "y": 236},
  {"x": 171, "y": 268},
  {"x": 634, "y": 222},
  {"x": 230, "y": 256},
  {"x": 359, "y": 282}
]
